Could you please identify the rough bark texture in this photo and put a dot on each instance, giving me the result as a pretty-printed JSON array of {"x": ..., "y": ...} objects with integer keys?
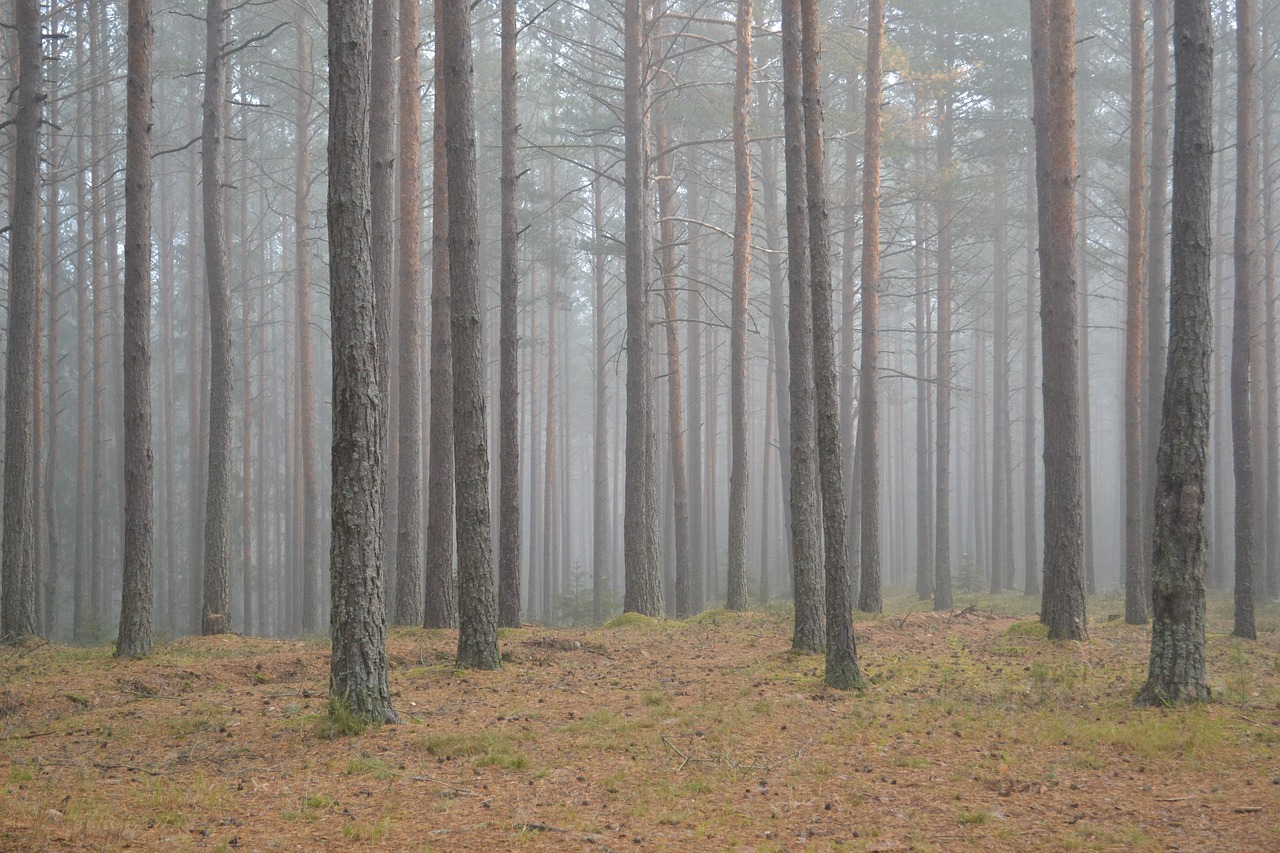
[
  {"x": 477, "y": 599},
  {"x": 1135, "y": 551},
  {"x": 1244, "y": 322},
  {"x": 736, "y": 598},
  {"x": 1177, "y": 666},
  {"x": 18, "y": 601},
  {"x": 508, "y": 337},
  {"x": 643, "y": 577},
  {"x": 842, "y": 657},
  {"x": 1062, "y": 605},
  {"x": 215, "y": 614},
  {"x": 439, "y": 611},
  {"x": 136, "y": 596},
  {"x": 408, "y": 609},
  {"x": 806, "y": 555},
  {"x": 869, "y": 598},
  {"x": 358, "y": 666},
  {"x": 382, "y": 153}
]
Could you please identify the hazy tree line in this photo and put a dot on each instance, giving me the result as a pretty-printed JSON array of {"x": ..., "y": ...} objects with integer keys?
[{"x": 720, "y": 305}]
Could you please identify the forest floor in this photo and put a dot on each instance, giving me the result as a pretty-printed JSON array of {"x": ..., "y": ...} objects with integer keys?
[{"x": 974, "y": 733}]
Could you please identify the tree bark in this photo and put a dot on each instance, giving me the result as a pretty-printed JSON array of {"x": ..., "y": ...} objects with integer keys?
[
  {"x": 1176, "y": 672},
  {"x": 216, "y": 601},
  {"x": 136, "y": 596},
  {"x": 18, "y": 598},
  {"x": 477, "y": 599},
  {"x": 1135, "y": 552},
  {"x": 809, "y": 631},
  {"x": 358, "y": 665},
  {"x": 439, "y": 611},
  {"x": 736, "y": 598},
  {"x": 509, "y": 342},
  {"x": 942, "y": 595},
  {"x": 643, "y": 593},
  {"x": 869, "y": 597},
  {"x": 409, "y": 598},
  {"x": 1244, "y": 322},
  {"x": 1062, "y": 605}
]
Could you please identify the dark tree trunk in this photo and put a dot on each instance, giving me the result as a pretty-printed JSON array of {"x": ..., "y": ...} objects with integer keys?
[
  {"x": 136, "y": 596},
  {"x": 1177, "y": 666},
  {"x": 477, "y": 599},
  {"x": 642, "y": 567},
  {"x": 358, "y": 666},
  {"x": 806, "y": 554},
  {"x": 18, "y": 602},
  {"x": 1244, "y": 323},
  {"x": 508, "y": 336}
]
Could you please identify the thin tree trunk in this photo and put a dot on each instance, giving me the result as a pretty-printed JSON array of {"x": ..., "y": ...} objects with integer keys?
[
  {"x": 1001, "y": 512},
  {"x": 1031, "y": 581},
  {"x": 439, "y": 610},
  {"x": 736, "y": 598},
  {"x": 216, "y": 601},
  {"x": 643, "y": 592},
  {"x": 602, "y": 506},
  {"x": 869, "y": 598},
  {"x": 136, "y": 598},
  {"x": 1246, "y": 287},
  {"x": 942, "y": 596},
  {"x": 509, "y": 378},
  {"x": 924, "y": 474},
  {"x": 1135, "y": 580},
  {"x": 477, "y": 599},
  {"x": 693, "y": 409}
]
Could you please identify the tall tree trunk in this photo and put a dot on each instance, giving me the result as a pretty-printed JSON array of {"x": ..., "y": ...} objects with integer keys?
[
  {"x": 1269, "y": 372},
  {"x": 924, "y": 474},
  {"x": 136, "y": 598},
  {"x": 18, "y": 601},
  {"x": 1086, "y": 420},
  {"x": 477, "y": 599},
  {"x": 942, "y": 596},
  {"x": 382, "y": 159},
  {"x": 216, "y": 602},
  {"x": 806, "y": 555},
  {"x": 439, "y": 610},
  {"x": 693, "y": 408},
  {"x": 1031, "y": 581},
  {"x": 675, "y": 402},
  {"x": 602, "y": 506},
  {"x": 508, "y": 334},
  {"x": 1176, "y": 672},
  {"x": 736, "y": 598},
  {"x": 842, "y": 658},
  {"x": 1157, "y": 270},
  {"x": 82, "y": 604},
  {"x": 358, "y": 665},
  {"x": 97, "y": 180},
  {"x": 869, "y": 598},
  {"x": 1243, "y": 327},
  {"x": 408, "y": 598},
  {"x": 310, "y": 508},
  {"x": 1000, "y": 509},
  {"x": 52, "y": 565},
  {"x": 643, "y": 592},
  {"x": 1053, "y": 59},
  {"x": 1135, "y": 572}
]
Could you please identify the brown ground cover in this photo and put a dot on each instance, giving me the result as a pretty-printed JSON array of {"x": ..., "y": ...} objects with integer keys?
[{"x": 974, "y": 733}]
